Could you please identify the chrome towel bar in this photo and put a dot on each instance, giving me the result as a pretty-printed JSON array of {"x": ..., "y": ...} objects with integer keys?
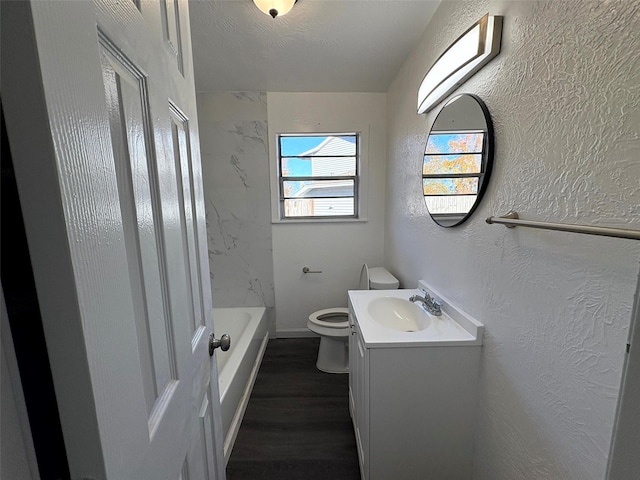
[{"x": 512, "y": 220}]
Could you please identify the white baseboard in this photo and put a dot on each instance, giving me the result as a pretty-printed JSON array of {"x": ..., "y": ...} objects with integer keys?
[{"x": 295, "y": 333}]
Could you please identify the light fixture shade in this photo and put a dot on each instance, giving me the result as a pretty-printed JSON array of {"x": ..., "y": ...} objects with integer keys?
[
  {"x": 275, "y": 8},
  {"x": 460, "y": 61}
]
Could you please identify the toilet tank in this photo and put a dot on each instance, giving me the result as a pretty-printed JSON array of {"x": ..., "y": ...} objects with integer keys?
[{"x": 377, "y": 278}]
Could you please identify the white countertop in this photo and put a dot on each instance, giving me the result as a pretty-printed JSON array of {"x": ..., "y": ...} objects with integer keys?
[{"x": 443, "y": 330}]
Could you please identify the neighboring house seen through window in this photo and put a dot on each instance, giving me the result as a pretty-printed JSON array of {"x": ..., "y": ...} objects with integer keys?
[{"x": 318, "y": 175}]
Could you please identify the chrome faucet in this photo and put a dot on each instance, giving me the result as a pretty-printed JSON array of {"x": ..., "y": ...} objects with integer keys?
[{"x": 432, "y": 305}]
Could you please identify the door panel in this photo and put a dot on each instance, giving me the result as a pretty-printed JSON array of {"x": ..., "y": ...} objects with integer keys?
[
  {"x": 126, "y": 98},
  {"x": 115, "y": 223},
  {"x": 170, "y": 13},
  {"x": 186, "y": 197},
  {"x": 204, "y": 443}
]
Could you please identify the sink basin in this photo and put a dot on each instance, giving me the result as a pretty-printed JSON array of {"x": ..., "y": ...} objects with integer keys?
[
  {"x": 398, "y": 314},
  {"x": 386, "y": 318}
]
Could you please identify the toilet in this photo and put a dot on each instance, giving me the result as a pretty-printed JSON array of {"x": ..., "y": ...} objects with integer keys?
[{"x": 332, "y": 324}]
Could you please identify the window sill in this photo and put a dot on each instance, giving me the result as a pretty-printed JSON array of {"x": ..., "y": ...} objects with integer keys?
[{"x": 291, "y": 221}]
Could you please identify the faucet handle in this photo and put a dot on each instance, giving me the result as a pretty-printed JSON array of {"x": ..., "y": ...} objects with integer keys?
[{"x": 437, "y": 306}]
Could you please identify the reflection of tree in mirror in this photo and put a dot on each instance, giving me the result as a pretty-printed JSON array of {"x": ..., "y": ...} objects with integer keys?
[
  {"x": 456, "y": 163},
  {"x": 466, "y": 185},
  {"x": 455, "y": 142},
  {"x": 452, "y": 153},
  {"x": 436, "y": 188},
  {"x": 450, "y": 186}
]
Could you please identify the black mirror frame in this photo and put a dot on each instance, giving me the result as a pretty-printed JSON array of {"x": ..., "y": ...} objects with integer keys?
[{"x": 487, "y": 159}]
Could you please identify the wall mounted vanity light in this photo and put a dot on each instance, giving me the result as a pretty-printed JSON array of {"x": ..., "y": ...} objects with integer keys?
[
  {"x": 275, "y": 8},
  {"x": 468, "y": 54}
]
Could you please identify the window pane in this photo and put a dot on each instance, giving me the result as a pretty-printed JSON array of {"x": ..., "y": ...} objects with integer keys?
[
  {"x": 296, "y": 167},
  {"x": 319, "y": 167},
  {"x": 456, "y": 163},
  {"x": 454, "y": 143},
  {"x": 450, "y": 186},
  {"x": 318, "y": 207},
  {"x": 290, "y": 146},
  {"x": 315, "y": 145},
  {"x": 318, "y": 188},
  {"x": 443, "y": 204}
]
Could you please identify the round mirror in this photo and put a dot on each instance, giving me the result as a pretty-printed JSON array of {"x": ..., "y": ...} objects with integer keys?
[{"x": 457, "y": 160}]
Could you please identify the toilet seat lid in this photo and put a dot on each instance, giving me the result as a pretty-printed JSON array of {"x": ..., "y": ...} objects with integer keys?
[
  {"x": 364, "y": 278},
  {"x": 321, "y": 317}
]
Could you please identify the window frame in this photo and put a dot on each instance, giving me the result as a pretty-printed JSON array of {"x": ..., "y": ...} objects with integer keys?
[{"x": 356, "y": 178}]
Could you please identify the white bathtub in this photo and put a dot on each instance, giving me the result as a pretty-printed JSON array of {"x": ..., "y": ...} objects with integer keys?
[{"x": 238, "y": 367}]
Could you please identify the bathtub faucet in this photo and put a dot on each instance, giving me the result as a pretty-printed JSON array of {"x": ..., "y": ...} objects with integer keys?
[{"x": 432, "y": 305}]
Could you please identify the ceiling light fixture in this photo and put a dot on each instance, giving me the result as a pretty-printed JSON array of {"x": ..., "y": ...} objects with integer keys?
[
  {"x": 460, "y": 61},
  {"x": 275, "y": 8}
]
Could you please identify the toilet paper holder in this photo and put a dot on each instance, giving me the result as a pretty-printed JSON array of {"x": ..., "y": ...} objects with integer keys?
[{"x": 308, "y": 270}]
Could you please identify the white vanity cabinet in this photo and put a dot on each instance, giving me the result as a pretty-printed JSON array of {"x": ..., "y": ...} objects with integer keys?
[
  {"x": 358, "y": 384},
  {"x": 412, "y": 406}
]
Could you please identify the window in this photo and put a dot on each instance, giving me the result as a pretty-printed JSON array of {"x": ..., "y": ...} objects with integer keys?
[{"x": 318, "y": 175}]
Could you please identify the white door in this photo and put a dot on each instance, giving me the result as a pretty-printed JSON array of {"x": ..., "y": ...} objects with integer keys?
[{"x": 100, "y": 107}]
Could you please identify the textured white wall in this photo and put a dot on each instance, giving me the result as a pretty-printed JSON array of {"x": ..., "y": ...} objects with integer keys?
[
  {"x": 624, "y": 461},
  {"x": 564, "y": 95},
  {"x": 233, "y": 142},
  {"x": 338, "y": 249}
]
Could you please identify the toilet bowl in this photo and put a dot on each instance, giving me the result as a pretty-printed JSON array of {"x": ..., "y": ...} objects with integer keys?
[{"x": 332, "y": 324}]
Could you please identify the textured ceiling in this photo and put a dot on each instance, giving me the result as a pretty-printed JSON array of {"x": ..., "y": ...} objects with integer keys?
[{"x": 320, "y": 46}]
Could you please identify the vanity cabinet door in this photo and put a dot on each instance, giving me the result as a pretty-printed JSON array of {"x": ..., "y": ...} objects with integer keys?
[
  {"x": 352, "y": 368},
  {"x": 362, "y": 405},
  {"x": 358, "y": 398}
]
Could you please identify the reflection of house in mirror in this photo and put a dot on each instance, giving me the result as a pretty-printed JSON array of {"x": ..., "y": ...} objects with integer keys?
[{"x": 328, "y": 193}]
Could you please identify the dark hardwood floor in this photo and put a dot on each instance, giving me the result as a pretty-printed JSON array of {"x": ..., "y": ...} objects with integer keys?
[{"x": 297, "y": 423}]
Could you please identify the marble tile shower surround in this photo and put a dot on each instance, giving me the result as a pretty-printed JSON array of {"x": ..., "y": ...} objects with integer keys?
[
  {"x": 235, "y": 164},
  {"x": 564, "y": 98}
]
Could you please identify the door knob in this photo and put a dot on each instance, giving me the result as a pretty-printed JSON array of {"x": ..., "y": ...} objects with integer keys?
[{"x": 224, "y": 342}]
